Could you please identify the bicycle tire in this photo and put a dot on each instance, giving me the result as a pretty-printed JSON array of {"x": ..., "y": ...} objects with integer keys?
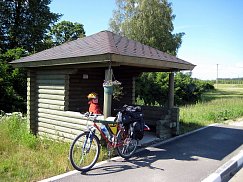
[
  {"x": 84, "y": 158},
  {"x": 126, "y": 145}
]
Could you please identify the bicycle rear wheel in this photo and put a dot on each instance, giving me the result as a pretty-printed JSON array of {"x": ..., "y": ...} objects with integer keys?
[
  {"x": 84, "y": 151},
  {"x": 126, "y": 145}
]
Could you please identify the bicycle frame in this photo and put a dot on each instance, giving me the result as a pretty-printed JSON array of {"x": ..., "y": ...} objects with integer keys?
[{"x": 113, "y": 143}]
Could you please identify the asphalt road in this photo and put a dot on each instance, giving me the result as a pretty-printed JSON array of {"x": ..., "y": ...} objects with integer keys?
[{"x": 188, "y": 159}]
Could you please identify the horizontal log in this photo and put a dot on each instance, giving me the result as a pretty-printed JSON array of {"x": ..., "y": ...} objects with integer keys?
[
  {"x": 51, "y": 91},
  {"x": 94, "y": 81},
  {"x": 77, "y": 90},
  {"x": 54, "y": 137},
  {"x": 51, "y": 87},
  {"x": 55, "y": 72},
  {"x": 63, "y": 124},
  {"x": 69, "y": 114},
  {"x": 52, "y": 102},
  {"x": 51, "y": 82},
  {"x": 51, "y": 97},
  {"x": 59, "y": 128},
  {"x": 59, "y": 135},
  {"x": 50, "y": 77},
  {"x": 50, "y": 106},
  {"x": 80, "y": 101},
  {"x": 64, "y": 119}
]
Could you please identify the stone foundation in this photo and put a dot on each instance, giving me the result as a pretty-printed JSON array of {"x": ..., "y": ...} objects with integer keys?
[{"x": 165, "y": 120}]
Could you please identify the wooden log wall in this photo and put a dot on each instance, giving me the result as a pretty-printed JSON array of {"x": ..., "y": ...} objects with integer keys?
[
  {"x": 52, "y": 103},
  {"x": 81, "y": 84},
  {"x": 31, "y": 101}
]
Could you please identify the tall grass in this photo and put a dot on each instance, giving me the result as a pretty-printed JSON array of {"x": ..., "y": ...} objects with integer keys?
[
  {"x": 226, "y": 102},
  {"x": 25, "y": 157}
]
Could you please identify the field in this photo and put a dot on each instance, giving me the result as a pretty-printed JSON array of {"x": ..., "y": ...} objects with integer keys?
[{"x": 226, "y": 102}]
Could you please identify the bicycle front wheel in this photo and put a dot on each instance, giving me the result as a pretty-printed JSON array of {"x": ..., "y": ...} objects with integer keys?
[
  {"x": 126, "y": 145},
  {"x": 84, "y": 151}
]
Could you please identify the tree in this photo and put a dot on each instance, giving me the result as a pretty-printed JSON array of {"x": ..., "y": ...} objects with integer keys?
[
  {"x": 23, "y": 28},
  {"x": 24, "y": 23},
  {"x": 66, "y": 31},
  {"x": 12, "y": 82},
  {"x": 149, "y": 22}
]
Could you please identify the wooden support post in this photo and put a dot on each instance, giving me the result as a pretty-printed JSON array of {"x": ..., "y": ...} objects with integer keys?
[
  {"x": 133, "y": 90},
  {"x": 171, "y": 90},
  {"x": 107, "y": 96}
]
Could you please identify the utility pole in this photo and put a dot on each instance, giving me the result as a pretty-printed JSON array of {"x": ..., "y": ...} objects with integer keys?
[{"x": 217, "y": 76}]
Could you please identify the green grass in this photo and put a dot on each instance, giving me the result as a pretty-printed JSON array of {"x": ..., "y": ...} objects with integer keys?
[
  {"x": 226, "y": 102},
  {"x": 24, "y": 157}
]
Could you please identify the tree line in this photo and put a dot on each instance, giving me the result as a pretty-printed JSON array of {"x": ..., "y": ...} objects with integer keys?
[
  {"x": 229, "y": 81},
  {"x": 28, "y": 27}
]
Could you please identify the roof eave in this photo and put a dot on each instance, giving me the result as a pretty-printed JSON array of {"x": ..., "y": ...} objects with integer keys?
[
  {"x": 64, "y": 61},
  {"x": 151, "y": 63},
  {"x": 121, "y": 59}
]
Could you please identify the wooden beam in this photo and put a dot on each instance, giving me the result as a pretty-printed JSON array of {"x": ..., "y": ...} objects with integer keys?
[
  {"x": 133, "y": 89},
  {"x": 171, "y": 90}
]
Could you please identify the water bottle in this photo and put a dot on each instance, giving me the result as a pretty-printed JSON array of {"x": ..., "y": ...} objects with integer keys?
[{"x": 105, "y": 131}]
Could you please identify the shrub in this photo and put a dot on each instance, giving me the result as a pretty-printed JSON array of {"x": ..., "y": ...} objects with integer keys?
[
  {"x": 12, "y": 82},
  {"x": 152, "y": 89}
]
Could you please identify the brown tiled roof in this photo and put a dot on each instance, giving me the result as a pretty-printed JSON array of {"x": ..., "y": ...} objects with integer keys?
[{"x": 104, "y": 42}]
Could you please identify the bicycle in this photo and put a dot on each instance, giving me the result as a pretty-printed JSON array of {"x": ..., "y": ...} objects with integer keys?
[{"x": 85, "y": 149}]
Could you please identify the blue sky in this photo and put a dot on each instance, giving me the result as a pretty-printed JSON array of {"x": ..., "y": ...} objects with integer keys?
[{"x": 213, "y": 31}]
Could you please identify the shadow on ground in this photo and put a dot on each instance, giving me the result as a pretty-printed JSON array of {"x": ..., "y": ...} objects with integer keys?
[{"x": 214, "y": 142}]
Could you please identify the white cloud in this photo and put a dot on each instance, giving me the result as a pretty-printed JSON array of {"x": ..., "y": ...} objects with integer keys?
[{"x": 240, "y": 65}]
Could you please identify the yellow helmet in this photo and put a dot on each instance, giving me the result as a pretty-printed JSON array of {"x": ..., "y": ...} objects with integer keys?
[{"x": 92, "y": 95}]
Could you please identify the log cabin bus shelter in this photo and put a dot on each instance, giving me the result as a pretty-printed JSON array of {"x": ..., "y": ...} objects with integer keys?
[{"x": 60, "y": 78}]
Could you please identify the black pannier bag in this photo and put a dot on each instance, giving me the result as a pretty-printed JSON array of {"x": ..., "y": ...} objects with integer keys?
[
  {"x": 133, "y": 115},
  {"x": 138, "y": 130}
]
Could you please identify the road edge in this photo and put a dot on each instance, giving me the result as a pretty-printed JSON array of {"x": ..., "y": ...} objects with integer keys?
[{"x": 227, "y": 170}]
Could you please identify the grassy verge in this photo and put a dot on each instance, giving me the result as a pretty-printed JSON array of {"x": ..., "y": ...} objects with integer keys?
[
  {"x": 24, "y": 157},
  {"x": 226, "y": 102}
]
